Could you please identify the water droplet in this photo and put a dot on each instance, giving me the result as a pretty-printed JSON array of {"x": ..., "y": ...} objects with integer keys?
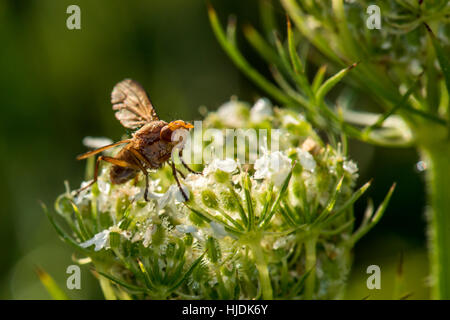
[{"x": 421, "y": 166}]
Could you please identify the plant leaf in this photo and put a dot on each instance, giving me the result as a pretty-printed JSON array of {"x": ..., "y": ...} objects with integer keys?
[
  {"x": 248, "y": 200},
  {"x": 241, "y": 62},
  {"x": 299, "y": 70},
  {"x": 442, "y": 57},
  {"x": 63, "y": 235},
  {"x": 331, "y": 82},
  {"x": 402, "y": 103},
  {"x": 122, "y": 283},
  {"x": 299, "y": 285},
  {"x": 188, "y": 273},
  {"x": 206, "y": 216},
  {"x": 318, "y": 78},
  {"x": 50, "y": 285},
  {"x": 355, "y": 196},
  {"x": 374, "y": 220},
  {"x": 83, "y": 230},
  {"x": 330, "y": 205},
  {"x": 283, "y": 190}
]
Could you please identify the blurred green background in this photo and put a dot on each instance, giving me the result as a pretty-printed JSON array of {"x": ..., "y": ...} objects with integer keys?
[{"x": 55, "y": 87}]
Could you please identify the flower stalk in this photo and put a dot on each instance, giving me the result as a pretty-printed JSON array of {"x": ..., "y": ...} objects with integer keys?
[
  {"x": 310, "y": 265},
  {"x": 106, "y": 285},
  {"x": 437, "y": 158},
  {"x": 263, "y": 270}
]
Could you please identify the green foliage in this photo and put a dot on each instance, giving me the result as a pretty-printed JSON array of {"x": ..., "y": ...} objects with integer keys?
[
  {"x": 403, "y": 71},
  {"x": 50, "y": 285}
]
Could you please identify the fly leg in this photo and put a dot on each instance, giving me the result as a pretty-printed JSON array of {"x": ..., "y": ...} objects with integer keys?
[
  {"x": 185, "y": 165},
  {"x": 139, "y": 159},
  {"x": 117, "y": 162},
  {"x": 181, "y": 174},
  {"x": 174, "y": 172}
]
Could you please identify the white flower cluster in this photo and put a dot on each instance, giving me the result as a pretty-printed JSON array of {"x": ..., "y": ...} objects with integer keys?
[{"x": 234, "y": 210}]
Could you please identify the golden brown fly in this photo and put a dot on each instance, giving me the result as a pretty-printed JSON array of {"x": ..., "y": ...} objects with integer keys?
[{"x": 149, "y": 147}]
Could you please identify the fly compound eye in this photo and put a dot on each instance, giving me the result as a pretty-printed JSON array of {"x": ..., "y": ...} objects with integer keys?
[{"x": 166, "y": 134}]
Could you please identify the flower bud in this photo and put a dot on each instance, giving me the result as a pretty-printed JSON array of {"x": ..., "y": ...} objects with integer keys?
[
  {"x": 228, "y": 201},
  {"x": 209, "y": 199},
  {"x": 63, "y": 205},
  {"x": 170, "y": 250},
  {"x": 228, "y": 270},
  {"x": 221, "y": 176},
  {"x": 196, "y": 219},
  {"x": 95, "y": 190},
  {"x": 114, "y": 240},
  {"x": 158, "y": 236},
  {"x": 188, "y": 239},
  {"x": 214, "y": 253},
  {"x": 121, "y": 205},
  {"x": 297, "y": 189}
]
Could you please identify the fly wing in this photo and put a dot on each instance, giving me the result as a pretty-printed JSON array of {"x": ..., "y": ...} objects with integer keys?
[{"x": 132, "y": 105}]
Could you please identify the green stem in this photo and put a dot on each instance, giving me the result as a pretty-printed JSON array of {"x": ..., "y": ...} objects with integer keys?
[
  {"x": 438, "y": 177},
  {"x": 107, "y": 289},
  {"x": 310, "y": 264},
  {"x": 263, "y": 270},
  {"x": 105, "y": 285}
]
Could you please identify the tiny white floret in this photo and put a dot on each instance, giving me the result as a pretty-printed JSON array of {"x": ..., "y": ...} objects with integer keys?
[
  {"x": 261, "y": 110},
  {"x": 274, "y": 166}
]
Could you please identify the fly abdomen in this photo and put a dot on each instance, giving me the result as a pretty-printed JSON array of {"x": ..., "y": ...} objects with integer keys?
[{"x": 119, "y": 175}]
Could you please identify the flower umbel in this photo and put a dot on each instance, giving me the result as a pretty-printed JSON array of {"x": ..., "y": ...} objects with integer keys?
[{"x": 272, "y": 229}]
